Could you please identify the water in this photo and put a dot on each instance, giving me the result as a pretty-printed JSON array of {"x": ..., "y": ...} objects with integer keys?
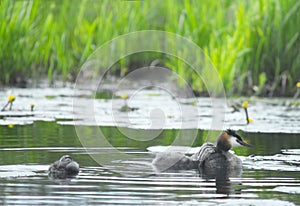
[
  {"x": 31, "y": 140},
  {"x": 156, "y": 109},
  {"x": 271, "y": 175}
]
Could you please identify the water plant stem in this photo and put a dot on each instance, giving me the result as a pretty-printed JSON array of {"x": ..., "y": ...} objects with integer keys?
[
  {"x": 247, "y": 116},
  {"x": 3, "y": 109}
]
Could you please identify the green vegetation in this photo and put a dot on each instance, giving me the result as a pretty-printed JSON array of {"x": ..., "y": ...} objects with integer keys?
[{"x": 253, "y": 44}]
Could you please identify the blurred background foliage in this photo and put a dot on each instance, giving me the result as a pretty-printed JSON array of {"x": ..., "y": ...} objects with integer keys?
[{"x": 253, "y": 44}]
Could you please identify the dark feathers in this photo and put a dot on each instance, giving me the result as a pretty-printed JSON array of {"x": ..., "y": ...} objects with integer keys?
[
  {"x": 63, "y": 168},
  {"x": 234, "y": 134}
]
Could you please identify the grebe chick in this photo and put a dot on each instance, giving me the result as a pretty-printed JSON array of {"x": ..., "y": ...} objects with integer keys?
[{"x": 63, "y": 168}]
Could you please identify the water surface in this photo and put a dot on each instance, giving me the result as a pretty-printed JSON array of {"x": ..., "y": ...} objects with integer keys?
[
  {"x": 271, "y": 173},
  {"x": 154, "y": 109}
]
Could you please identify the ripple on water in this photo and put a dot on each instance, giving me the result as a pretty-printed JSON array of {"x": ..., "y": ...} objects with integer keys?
[
  {"x": 99, "y": 186},
  {"x": 291, "y": 151},
  {"x": 288, "y": 161},
  {"x": 290, "y": 190},
  {"x": 256, "y": 202},
  {"x": 8, "y": 171}
]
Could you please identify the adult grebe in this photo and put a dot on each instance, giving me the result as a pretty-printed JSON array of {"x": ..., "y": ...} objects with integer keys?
[
  {"x": 63, "y": 168},
  {"x": 208, "y": 158}
]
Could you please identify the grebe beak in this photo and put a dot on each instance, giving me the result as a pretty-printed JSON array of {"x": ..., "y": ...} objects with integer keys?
[{"x": 241, "y": 142}]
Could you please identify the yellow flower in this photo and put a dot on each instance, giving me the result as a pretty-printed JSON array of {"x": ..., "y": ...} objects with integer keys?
[
  {"x": 10, "y": 126},
  {"x": 245, "y": 104},
  {"x": 298, "y": 85},
  {"x": 11, "y": 98},
  {"x": 124, "y": 96},
  {"x": 250, "y": 120}
]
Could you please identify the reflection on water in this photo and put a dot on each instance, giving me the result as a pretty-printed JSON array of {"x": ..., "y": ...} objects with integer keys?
[
  {"x": 270, "y": 174},
  {"x": 222, "y": 176}
]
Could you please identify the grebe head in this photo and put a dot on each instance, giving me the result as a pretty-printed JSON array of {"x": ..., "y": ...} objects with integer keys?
[
  {"x": 66, "y": 158},
  {"x": 230, "y": 139}
]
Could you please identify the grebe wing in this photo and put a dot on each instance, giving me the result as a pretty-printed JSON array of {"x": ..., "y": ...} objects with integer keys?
[
  {"x": 173, "y": 160},
  {"x": 206, "y": 150}
]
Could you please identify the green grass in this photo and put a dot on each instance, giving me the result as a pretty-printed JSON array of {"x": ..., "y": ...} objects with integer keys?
[{"x": 253, "y": 44}]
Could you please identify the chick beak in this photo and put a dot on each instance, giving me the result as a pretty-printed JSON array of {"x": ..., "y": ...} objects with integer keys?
[{"x": 244, "y": 143}]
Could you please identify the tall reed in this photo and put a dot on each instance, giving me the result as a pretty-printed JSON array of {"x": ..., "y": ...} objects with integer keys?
[{"x": 253, "y": 44}]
